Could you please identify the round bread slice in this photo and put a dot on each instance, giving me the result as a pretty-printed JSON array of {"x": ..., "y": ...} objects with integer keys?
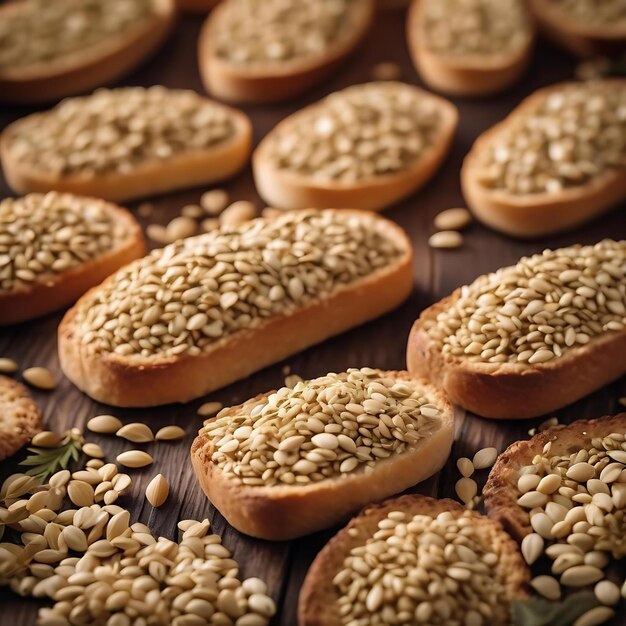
[
  {"x": 20, "y": 418},
  {"x": 501, "y": 491},
  {"x": 539, "y": 214},
  {"x": 467, "y": 74},
  {"x": 281, "y": 512},
  {"x": 281, "y": 79},
  {"x": 88, "y": 68},
  {"x": 46, "y": 289},
  {"x": 318, "y": 602}
]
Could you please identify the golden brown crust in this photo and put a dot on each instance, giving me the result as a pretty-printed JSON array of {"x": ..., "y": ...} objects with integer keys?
[
  {"x": 272, "y": 82},
  {"x": 288, "y": 190},
  {"x": 515, "y": 390},
  {"x": 304, "y": 510},
  {"x": 56, "y": 291},
  {"x": 464, "y": 75},
  {"x": 317, "y": 604},
  {"x": 20, "y": 418},
  {"x": 188, "y": 169},
  {"x": 119, "y": 381},
  {"x": 83, "y": 71},
  {"x": 501, "y": 493},
  {"x": 535, "y": 215}
]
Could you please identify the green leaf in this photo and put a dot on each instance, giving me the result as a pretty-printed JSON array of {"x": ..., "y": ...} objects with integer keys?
[
  {"x": 537, "y": 611},
  {"x": 46, "y": 461}
]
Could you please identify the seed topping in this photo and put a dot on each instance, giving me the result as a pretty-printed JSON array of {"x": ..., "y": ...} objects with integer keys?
[{"x": 590, "y": 13}]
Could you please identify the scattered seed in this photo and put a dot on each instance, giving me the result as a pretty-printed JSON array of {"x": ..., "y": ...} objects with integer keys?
[
  {"x": 157, "y": 490},
  {"x": 180, "y": 228},
  {"x": 46, "y": 439},
  {"x": 157, "y": 233},
  {"x": 465, "y": 467},
  {"x": 485, "y": 458},
  {"x": 546, "y": 586},
  {"x": 446, "y": 239},
  {"x": 209, "y": 409},
  {"x": 137, "y": 432},
  {"x": 104, "y": 424},
  {"x": 386, "y": 71},
  {"x": 607, "y": 592},
  {"x": 93, "y": 450},
  {"x": 595, "y": 616},
  {"x": 238, "y": 213},
  {"x": 452, "y": 219},
  {"x": 466, "y": 489},
  {"x": 134, "y": 458},
  {"x": 214, "y": 201},
  {"x": 80, "y": 493},
  {"x": 8, "y": 366},
  {"x": 145, "y": 209},
  {"x": 40, "y": 377},
  {"x": 170, "y": 433},
  {"x": 532, "y": 547},
  {"x": 194, "y": 211}
]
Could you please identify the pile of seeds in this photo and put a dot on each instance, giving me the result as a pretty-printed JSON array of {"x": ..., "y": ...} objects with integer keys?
[
  {"x": 43, "y": 235},
  {"x": 115, "y": 130},
  {"x": 322, "y": 428},
  {"x": 362, "y": 131},
  {"x": 423, "y": 570},
  {"x": 568, "y": 138},
  {"x": 182, "y": 298},
  {"x": 276, "y": 31},
  {"x": 43, "y": 32},
  {"x": 535, "y": 311},
  {"x": 466, "y": 487},
  {"x": 475, "y": 27},
  {"x": 590, "y": 12}
]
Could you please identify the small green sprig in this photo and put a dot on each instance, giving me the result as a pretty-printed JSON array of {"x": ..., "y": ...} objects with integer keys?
[
  {"x": 536, "y": 611},
  {"x": 44, "y": 462}
]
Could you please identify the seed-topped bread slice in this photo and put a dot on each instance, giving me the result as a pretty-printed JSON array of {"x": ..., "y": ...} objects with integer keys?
[
  {"x": 557, "y": 161},
  {"x": 470, "y": 48},
  {"x": 252, "y": 51},
  {"x": 49, "y": 50},
  {"x": 54, "y": 247},
  {"x": 206, "y": 311},
  {"x": 294, "y": 461},
  {"x": 444, "y": 562},
  {"x": 529, "y": 338},
  {"x": 366, "y": 147},
  {"x": 126, "y": 143}
]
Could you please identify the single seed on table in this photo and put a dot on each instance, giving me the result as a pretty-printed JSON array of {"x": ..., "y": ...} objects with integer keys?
[
  {"x": 145, "y": 209},
  {"x": 452, "y": 219},
  {"x": 214, "y": 201},
  {"x": 465, "y": 466},
  {"x": 180, "y": 228},
  {"x": 80, "y": 493},
  {"x": 170, "y": 433},
  {"x": 157, "y": 233},
  {"x": 195, "y": 211},
  {"x": 386, "y": 71},
  {"x": 595, "y": 616},
  {"x": 134, "y": 458},
  {"x": 607, "y": 592},
  {"x": 466, "y": 489},
  {"x": 532, "y": 547},
  {"x": 40, "y": 377},
  {"x": 485, "y": 458},
  {"x": 8, "y": 366},
  {"x": 157, "y": 490},
  {"x": 104, "y": 424},
  {"x": 238, "y": 213},
  {"x": 93, "y": 450},
  {"x": 137, "y": 432},
  {"x": 209, "y": 409},
  {"x": 446, "y": 239},
  {"x": 46, "y": 439},
  {"x": 546, "y": 586}
]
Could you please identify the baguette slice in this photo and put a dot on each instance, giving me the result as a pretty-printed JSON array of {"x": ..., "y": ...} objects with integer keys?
[
  {"x": 514, "y": 390},
  {"x": 84, "y": 70},
  {"x": 465, "y": 75},
  {"x": 539, "y": 214},
  {"x": 284, "y": 188},
  {"x": 159, "y": 379},
  {"x": 281, "y": 512},
  {"x": 279, "y": 80},
  {"x": 318, "y": 602},
  {"x": 55, "y": 290},
  {"x": 501, "y": 488}
]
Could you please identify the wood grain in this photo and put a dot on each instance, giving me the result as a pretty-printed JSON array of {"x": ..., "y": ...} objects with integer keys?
[{"x": 379, "y": 344}]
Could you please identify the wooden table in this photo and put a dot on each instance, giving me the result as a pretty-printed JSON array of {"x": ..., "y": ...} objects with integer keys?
[{"x": 379, "y": 344}]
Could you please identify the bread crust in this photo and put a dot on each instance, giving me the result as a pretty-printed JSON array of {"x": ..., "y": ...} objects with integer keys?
[
  {"x": 272, "y": 83},
  {"x": 500, "y": 492},
  {"x": 56, "y": 291},
  {"x": 536, "y": 215},
  {"x": 287, "y": 190},
  {"x": 188, "y": 169},
  {"x": 123, "y": 381},
  {"x": 85, "y": 70},
  {"x": 317, "y": 604},
  {"x": 463, "y": 75},
  {"x": 306, "y": 509}
]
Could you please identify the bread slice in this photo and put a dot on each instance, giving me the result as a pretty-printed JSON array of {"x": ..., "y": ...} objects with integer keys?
[
  {"x": 317, "y": 604},
  {"x": 158, "y": 379},
  {"x": 20, "y": 418},
  {"x": 84, "y": 70},
  {"x": 465, "y": 75},
  {"x": 284, "y": 189},
  {"x": 536, "y": 215},
  {"x": 501, "y": 493},
  {"x": 55, "y": 290},
  {"x": 276, "y": 81},
  {"x": 281, "y": 512}
]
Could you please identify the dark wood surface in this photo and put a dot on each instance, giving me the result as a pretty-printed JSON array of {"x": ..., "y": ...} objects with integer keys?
[{"x": 380, "y": 343}]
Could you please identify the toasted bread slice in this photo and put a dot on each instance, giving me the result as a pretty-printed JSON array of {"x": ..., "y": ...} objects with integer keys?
[
  {"x": 318, "y": 602},
  {"x": 160, "y": 378},
  {"x": 468, "y": 74},
  {"x": 283, "y": 511},
  {"x": 284, "y": 188},
  {"x": 89, "y": 67},
  {"x": 50, "y": 289},
  {"x": 501, "y": 492},
  {"x": 276, "y": 80},
  {"x": 538, "y": 214},
  {"x": 513, "y": 390},
  {"x": 187, "y": 168}
]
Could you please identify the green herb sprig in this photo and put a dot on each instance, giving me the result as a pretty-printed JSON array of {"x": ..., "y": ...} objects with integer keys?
[{"x": 44, "y": 462}]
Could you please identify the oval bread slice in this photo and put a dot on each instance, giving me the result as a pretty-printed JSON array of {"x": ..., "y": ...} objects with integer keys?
[
  {"x": 285, "y": 188},
  {"x": 280, "y": 79},
  {"x": 467, "y": 74},
  {"x": 283, "y": 511},
  {"x": 87, "y": 68},
  {"x": 68, "y": 218},
  {"x": 318, "y": 602},
  {"x": 537, "y": 214}
]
